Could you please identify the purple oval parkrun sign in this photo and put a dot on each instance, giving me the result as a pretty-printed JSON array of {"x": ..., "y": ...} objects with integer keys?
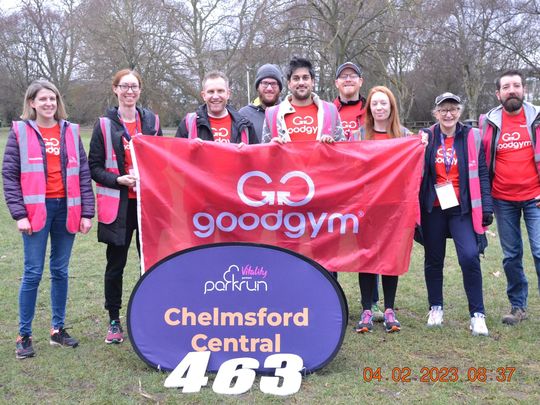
[{"x": 237, "y": 300}]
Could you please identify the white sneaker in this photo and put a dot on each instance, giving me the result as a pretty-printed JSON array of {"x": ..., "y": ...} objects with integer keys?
[
  {"x": 435, "y": 316},
  {"x": 478, "y": 325}
]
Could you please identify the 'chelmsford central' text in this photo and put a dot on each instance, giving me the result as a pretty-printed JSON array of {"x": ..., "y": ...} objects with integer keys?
[{"x": 184, "y": 317}]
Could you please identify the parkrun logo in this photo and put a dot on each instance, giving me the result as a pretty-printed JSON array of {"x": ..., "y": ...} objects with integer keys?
[
  {"x": 239, "y": 279},
  {"x": 293, "y": 224},
  {"x": 511, "y": 141},
  {"x": 303, "y": 125}
]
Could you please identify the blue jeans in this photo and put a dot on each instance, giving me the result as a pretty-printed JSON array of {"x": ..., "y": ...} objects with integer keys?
[
  {"x": 508, "y": 214},
  {"x": 436, "y": 226},
  {"x": 35, "y": 246}
]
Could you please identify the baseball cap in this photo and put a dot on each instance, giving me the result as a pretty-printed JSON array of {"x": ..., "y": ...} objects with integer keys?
[
  {"x": 447, "y": 96},
  {"x": 349, "y": 65}
]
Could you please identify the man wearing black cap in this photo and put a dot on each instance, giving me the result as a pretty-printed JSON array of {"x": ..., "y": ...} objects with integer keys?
[
  {"x": 269, "y": 84},
  {"x": 350, "y": 104}
]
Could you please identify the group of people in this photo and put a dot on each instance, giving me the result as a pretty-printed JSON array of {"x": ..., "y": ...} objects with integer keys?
[{"x": 469, "y": 175}]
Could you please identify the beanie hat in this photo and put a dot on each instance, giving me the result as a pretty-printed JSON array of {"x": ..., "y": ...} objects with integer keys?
[{"x": 269, "y": 70}]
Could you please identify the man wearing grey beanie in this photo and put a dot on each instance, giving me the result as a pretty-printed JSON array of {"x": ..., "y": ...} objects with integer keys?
[{"x": 268, "y": 83}]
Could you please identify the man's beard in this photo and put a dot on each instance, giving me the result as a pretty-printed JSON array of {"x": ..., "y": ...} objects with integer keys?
[
  {"x": 512, "y": 104},
  {"x": 302, "y": 96}
]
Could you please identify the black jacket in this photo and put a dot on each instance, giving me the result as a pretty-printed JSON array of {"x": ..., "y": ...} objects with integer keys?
[
  {"x": 204, "y": 130},
  {"x": 115, "y": 233}
]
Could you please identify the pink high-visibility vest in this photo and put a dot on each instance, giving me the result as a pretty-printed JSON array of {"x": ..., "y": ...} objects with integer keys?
[
  {"x": 108, "y": 199},
  {"x": 33, "y": 182}
]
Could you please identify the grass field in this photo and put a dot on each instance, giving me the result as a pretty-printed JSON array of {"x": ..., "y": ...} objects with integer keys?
[{"x": 96, "y": 373}]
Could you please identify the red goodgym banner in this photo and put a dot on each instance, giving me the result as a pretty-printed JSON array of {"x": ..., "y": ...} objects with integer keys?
[{"x": 350, "y": 206}]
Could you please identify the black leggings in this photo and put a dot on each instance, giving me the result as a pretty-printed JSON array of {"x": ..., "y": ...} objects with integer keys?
[{"x": 368, "y": 284}]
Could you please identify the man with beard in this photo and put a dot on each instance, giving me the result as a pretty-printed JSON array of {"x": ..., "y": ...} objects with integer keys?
[
  {"x": 511, "y": 139},
  {"x": 268, "y": 83},
  {"x": 302, "y": 116},
  {"x": 215, "y": 120},
  {"x": 350, "y": 104}
]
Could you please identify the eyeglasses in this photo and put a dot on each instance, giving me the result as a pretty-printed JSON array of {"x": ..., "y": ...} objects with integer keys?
[
  {"x": 266, "y": 84},
  {"x": 444, "y": 111},
  {"x": 125, "y": 87},
  {"x": 348, "y": 76}
]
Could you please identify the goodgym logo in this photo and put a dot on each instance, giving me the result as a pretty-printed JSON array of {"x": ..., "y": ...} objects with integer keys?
[
  {"x": 293, "y": 224},
  {"x": 280, "y": 197},
  {"x": 221, "y": 135},
  {"x": 512, "y": 141}
]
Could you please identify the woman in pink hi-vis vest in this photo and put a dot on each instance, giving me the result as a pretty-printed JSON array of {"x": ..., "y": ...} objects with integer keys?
[
  {"x": 111, "y": 165},
  {"x": 455, "y": 202},
  {"x": 48, "y": 191}
]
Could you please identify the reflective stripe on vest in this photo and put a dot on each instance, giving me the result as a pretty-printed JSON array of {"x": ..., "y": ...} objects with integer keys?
[
  {"x": 73, "y": 187},
  {"x": 191, "y": 125},
  {"x": 108, "y": 199},
  {"x": 271, "y": 120},
  {"x": 156, "y": 122},
  {"x": 537, "y": 149},
  {"x": 329, "y": 119},
  {"x": 33, "y": 182},
  {"x": 473, "y": 146}
]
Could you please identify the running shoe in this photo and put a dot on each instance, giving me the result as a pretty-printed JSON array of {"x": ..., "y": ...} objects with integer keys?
[
  {"x": 366, "y": 322},
  {"x": 391, "y": 324},
  {"x": 435, "y": 316}
]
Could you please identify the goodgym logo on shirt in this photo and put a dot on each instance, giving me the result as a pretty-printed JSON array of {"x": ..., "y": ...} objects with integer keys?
[
  {"x": 450, "y": 154},
  {"x": 514, "y": 140},
  {"x": 221, "y": 135},
  {"x": 349, "y": 125},
  {"x": 52, "y": 146},
  {"x": 303, "y": 125}
]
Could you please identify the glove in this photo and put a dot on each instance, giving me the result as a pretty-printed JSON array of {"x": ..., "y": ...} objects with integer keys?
[{"x": 487, "y": 218}]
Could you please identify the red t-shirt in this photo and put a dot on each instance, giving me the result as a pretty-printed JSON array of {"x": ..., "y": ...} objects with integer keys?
[
  {"x": 440, "y": 167},
  {"x": 349, "y": 122},
  {"x": 302, "y": 125},
  {"x": 516, "y": 177},
  {"x": 380, "y": 136},
  {"x": 128, "y": 160},
  {"x": 221, "y": 128},
  {"x": 55, "y": 186}
]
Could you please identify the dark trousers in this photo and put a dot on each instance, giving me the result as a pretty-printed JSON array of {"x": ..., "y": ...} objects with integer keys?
[
  {"x": 368, "y": 287},
  {"x": 435, "y": 227},
  {"x": 116, "y": 261}
]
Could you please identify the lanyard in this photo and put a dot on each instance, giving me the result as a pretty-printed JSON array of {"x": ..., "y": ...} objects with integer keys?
[
  {"x": 447, "y": 159},
  {"x": 138, "y": 129}
]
